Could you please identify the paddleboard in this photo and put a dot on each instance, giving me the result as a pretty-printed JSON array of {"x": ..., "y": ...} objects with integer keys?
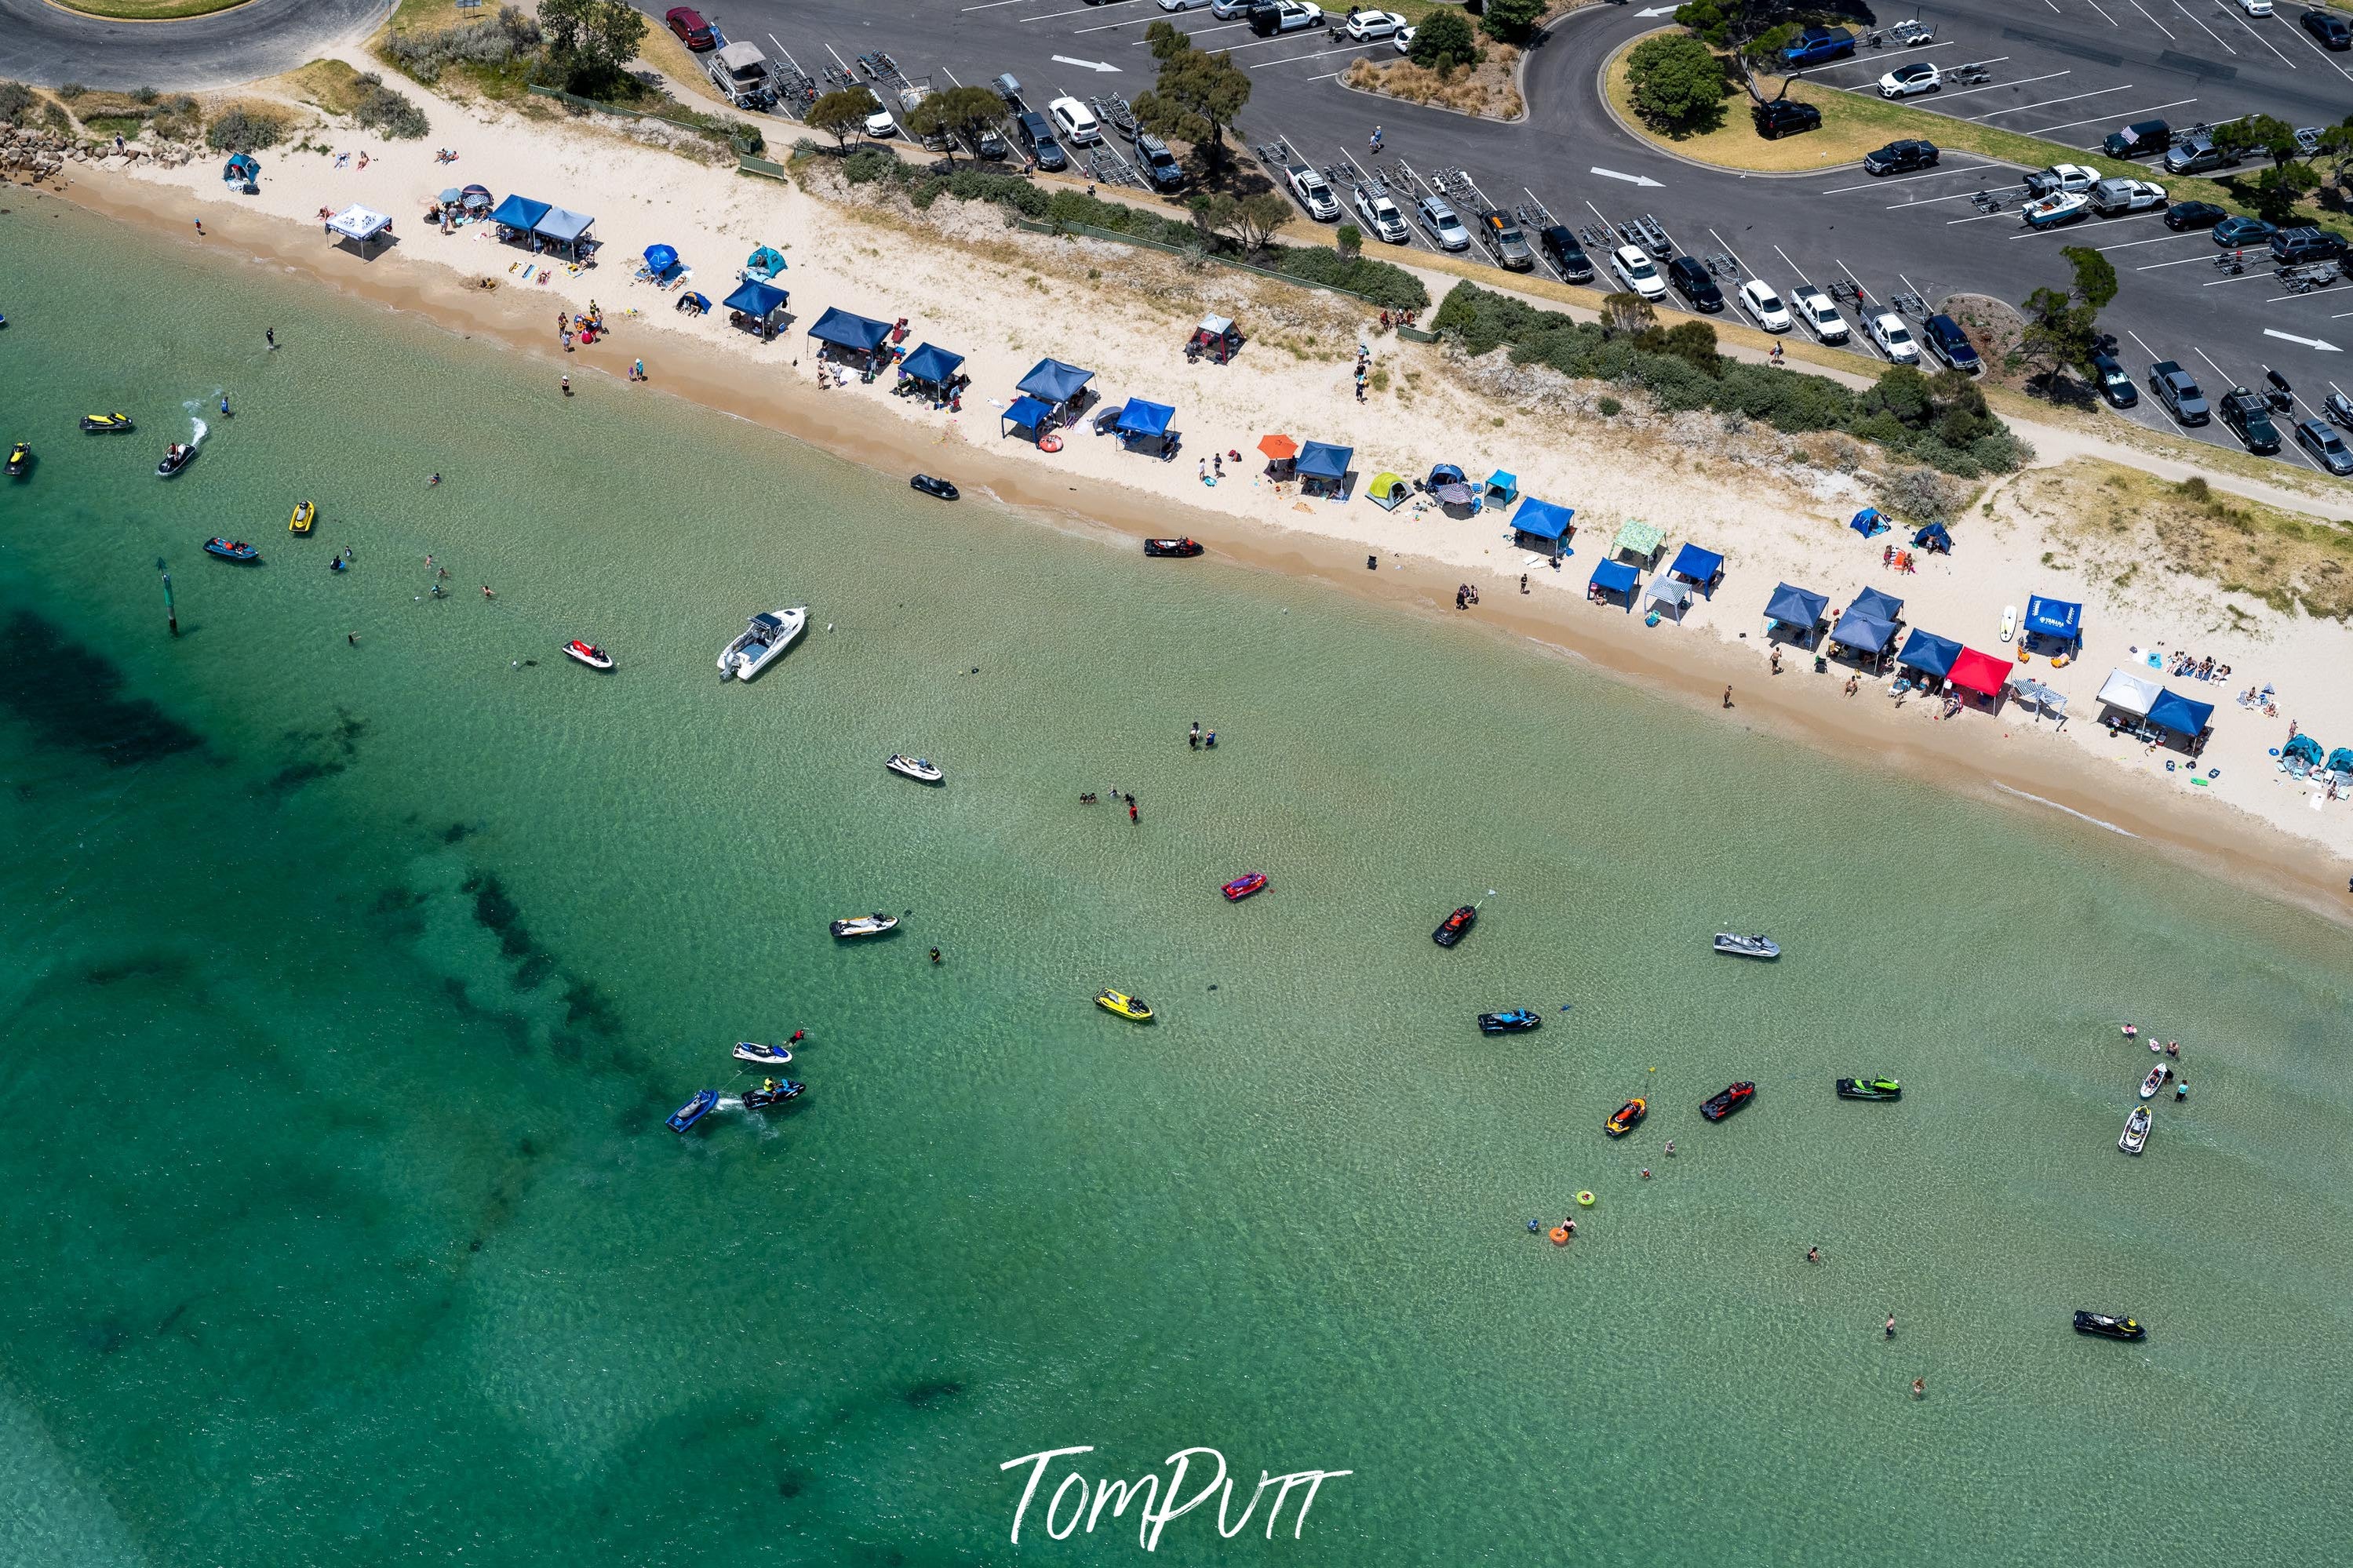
[{"x": 2009, "y": 621}]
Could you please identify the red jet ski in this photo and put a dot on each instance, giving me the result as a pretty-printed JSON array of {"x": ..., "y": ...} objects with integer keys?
[
  {"x": 1719, "y": 1105},
  {"x": 1243, "y": 886},
  {"x": 1172, "y": 547},
  {"x": 589, "y": 654}
]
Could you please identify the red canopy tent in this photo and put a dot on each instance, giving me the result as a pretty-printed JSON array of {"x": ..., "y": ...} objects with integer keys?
[{"x": 1979, "y": 672}]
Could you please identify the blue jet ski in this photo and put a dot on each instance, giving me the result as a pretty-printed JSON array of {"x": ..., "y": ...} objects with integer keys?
[{"x": 693, "y": 1110}]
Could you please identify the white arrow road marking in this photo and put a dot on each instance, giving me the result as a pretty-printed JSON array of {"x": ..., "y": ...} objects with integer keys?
[
  {"x": 2326, "y": 348},
  {"x": 1086, "y": 65},
  {"x": 1630, "y": 179}
]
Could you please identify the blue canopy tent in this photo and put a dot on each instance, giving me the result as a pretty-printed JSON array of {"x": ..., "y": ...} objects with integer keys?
[
  {"x": 2173, "y": 712},
  {"x": 1026, "y": 414},
  {"x": 1617, "y": 578},
  {"x": 1701, "y": 568},
  {"x": 564, "y": 230},
  {"x": 1795, "y": 609},
  {"x": 764, "y": 263},
  {"x": 1323, "y": 465},
  {"x": 1052, "y": 382},
  {"x": 2340, "y": 761},
  {"x": 520, "y": 214},
  {"x": 850, "y": 334},
  {"x": 1873, "y": 601},
  {"x": 1501, "y": 488},
  {"x": 932, "y": 365},
  {"x": 760, "y": 306},
  {"x": 1934, "y": 538},
  {"x": 2303, "y": 746},
  {"x": 1929, "y": 654},
  {"x": 1868, "y": 522},
  {"x": 1142, "y": 421},
  {"x": 2055, "y": 618},
  {"x": 1444, "y": 474},
  {"x": 1542, "y": 525},
  {"x": 241, "y": 173}
]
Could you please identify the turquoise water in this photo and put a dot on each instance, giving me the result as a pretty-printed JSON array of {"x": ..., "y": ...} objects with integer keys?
[{"x": 349, "y": 986}]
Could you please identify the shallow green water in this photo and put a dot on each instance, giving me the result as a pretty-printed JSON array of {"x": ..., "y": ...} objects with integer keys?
[{"x": 348, "y": 987}]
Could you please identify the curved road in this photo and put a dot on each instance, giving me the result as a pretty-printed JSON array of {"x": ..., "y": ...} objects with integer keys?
[{"x": 46, "y": 45}]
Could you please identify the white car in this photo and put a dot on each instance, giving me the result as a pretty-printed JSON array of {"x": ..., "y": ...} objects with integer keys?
[
  {"x": 1364, "y": 27},
  {"x": 1911, "y": 77},
  {"x": 1381, "y": 216},
  {"x": 1634, "y": 271},
  {"x": 1230, "y": 10},
  {"x": 1438, "y": 219},
  {"x": 1813, "y": 307},
  {"x": 1077, "y": 121},
  {"x": 1763, "y": 306},
  {"x": 1405, "y": 40},
  {"x": 1181, "y": 5},
  {"x": 880, "y": 124},
  {"x": 2256, "y": 8},
  {"x": 1895, "y": 339}
]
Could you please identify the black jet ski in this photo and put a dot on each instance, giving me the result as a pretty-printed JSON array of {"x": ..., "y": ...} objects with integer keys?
[
  {"x": 107, "y": 423},
  {"x": 772, "y": 1093},
  {"x": 1182, "y": 547},
  {"x": 178, "y": 458},
  {"x": 20, "y": 459},
  {"x": 1455, "y": 927},
  {"x": 1869, "y": 1088},
  {"x": 2109, "y": 1327},
  {"x": 932, "y": 487},
  {"x": 232, "y": 550},
  {"x": 1511, "y": 1022},
  {"x": 1724, "y": 1101}
]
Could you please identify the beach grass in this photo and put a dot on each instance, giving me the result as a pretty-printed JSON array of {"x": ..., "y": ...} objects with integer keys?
[
  {"x": 148, "y": 10},
  {"x": 330, "y": 85}
]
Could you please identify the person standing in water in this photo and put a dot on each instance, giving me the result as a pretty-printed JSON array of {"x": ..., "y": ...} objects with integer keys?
[
  {"x": 272, "y": 335},
  {"x": 1193, "y": 740}
]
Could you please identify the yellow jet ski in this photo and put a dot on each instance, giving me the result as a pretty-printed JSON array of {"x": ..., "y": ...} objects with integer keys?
[
  {"x": 20, "y": 459},
  {"x": 1126, "y": 1006},
  {"x": 106, "y": 424},
  {"x": 305, "y": 514}
]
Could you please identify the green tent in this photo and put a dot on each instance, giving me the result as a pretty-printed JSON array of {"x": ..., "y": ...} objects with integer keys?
[
  {"x": 1389, "y": 491},
  {"x": 1638, "y": 539}
]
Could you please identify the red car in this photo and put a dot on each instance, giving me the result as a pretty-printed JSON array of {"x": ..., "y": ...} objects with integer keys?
[{"x": 692, "y": 29}]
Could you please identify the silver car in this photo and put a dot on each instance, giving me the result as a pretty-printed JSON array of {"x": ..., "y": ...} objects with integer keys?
[{"x": 1438, "y": 220}]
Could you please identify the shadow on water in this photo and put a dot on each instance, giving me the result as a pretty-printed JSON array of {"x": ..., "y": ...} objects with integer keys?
[{"x": 72, "y": 698}]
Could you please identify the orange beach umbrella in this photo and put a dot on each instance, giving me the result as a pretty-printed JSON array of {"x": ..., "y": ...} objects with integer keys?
[{"x": 1277, "y": 447}]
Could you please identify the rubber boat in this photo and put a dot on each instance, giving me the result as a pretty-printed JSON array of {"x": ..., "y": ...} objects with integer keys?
[
  {"x": 238, "y": 552},
  {"x": 20, "y": 458},
  {"x": 1869, "y": 1088},
  {"x": 874, "y": 924},
  {"x": 932, "y": 487},
  {"x": 1747, "y": 946},
  {"x": 1243, "y": 886},
  {"x": 2058, "y": 208},
  {"x": 175, "y": 458},
  {"x": 771, "y": 1092},
  {"x": 305, "y": 514},
  {"x": 1512, "y": 1021},
  {"x": 107, "y": 423},
  {"x": 915, "y": 768},
  {"x": 1455, "y": 926},
  {"x": 693, "y": 1110},
  {"x": 588, "y": 653},
  {"x": 2109, "y": 1327},
  {"x": 1718, "y": 1105},
  {"x": 766, "y": 1055},
  {"x": 2136, "y": 1126},
  {"x": 1179, "y": 547},
  {"x": 763, "y": 642},
  {"x": 1126, "y": 1006},
  {"x": 2153, "y": 1082},
  {"x": 1628, "y": 1117}
]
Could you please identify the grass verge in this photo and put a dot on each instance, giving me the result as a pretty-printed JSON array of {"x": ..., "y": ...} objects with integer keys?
[
  {"x": 330, "y": 85},
  {"x": 148, "y": 10}
]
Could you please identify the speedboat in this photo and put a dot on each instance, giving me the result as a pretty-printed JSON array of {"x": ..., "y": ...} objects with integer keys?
[
  {"x": 2058, "y": 208},
  {"x": 1180, "y": 547},
  {"x": 1747, "y": 946},
  {"x": 932, "y": 487},
  {"x": 1628, "y": 1115},
  {"x": 771, "y": 1092},
  {"x": 1724, "y": 1102},
  {"x": 915, "y": 768},
  {"x": 693, "y": 1110},
  {"x": 238, "y": 550},
  {"x": 1513, "y": 1021},
  {"x": 20, "y": 458},
  {"x": 874, "y": 924},
  {"x": 305, "y": 514},
  {"x": 763, "y": 642},
  {"x": 766, "y": 1055},
  {"x": 1243, "y": 886},
  {"x": 1869, "y": 1088},
  {"x": 175, "y": 458},
  {"x": 1126, "y": 1006},
  {"x": 2154, "y": 1081},
  {"x": 2109, "y": 1327},
  {"x": 588, "y": 653},
  {"x": 1455, "y": 926},
  {"x": 2136, "y": 1126},
  {"x": 107, "y": 423}
]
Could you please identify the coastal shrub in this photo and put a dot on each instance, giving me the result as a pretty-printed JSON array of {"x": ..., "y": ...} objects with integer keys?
[
  {"x": 1610, "y": 407},
  {"x": 17, "y": 102},
  {"x": 1443, "y": 41},
  {"x": 503, "y": 39},
  {"x": 245, "y": 129},
  {"x": 70, "y": 91},
  {"x": 1390, "y": 287},
  {"x": 382, "y": 109}
]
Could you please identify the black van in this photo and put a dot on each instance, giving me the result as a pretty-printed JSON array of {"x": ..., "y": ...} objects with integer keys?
[
  {"x": 2294, "y": 247},
  {"x": 1561, "y": 246},
  {"x": 2139, "y": 140},
  {"x": 1038, "y": 136}
]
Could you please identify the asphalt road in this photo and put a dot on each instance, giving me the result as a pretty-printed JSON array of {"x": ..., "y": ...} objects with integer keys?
[{"x": 46, "y": 45}]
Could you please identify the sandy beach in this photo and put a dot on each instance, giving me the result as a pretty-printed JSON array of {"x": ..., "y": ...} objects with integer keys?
[{"x": 1006, "y": 298}]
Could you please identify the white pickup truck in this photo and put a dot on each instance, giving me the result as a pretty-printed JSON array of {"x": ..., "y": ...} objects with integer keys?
[{"x": 2114, "y": 198}]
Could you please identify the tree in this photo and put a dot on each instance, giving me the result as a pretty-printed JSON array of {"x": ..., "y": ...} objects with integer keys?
[
  {"x": 2280, "y": 190},
  {"x": 2335, "y": 153},
  {"x": 591, "y": 40},
  {"x": 1197, "y": 95},
  {"x": 1255, "y": 220},
  {"x": 2095, "y": 276},
  {"x": 2061, "y": 324},
  {"x": 1624, "y": 314},
  {"x": 1442, "y": 42},
  {"x": 1349, "y": 240},
  {"x": 960, "y": 111},
  {"x": 1679, "y": 87},
  {"x": 840, "y": 115},
  {"x": 1512, "y": 21},
  {"x": 2259, "y": 134},
  {"x": 1752, "y": 32}
]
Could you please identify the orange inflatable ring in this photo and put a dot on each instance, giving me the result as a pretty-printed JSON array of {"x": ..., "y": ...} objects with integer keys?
[
  {"x": 1050, "y": 442},
  {"x": 1560, "y": 1236}
]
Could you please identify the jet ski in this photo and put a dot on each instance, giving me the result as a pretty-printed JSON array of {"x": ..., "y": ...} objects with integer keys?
[
  {"x": 1177, "y": 547},
  {"x": 767, "y": 1055},
  {"x": 305, "y": 514},
  {"x": 1512, "y": 1022},
  {"x": 1455, "y": 926},
  {"x": 693, "y": 1110},
  {"x": 238, "y": 552},
  {"x": 915, "y": 768},
  {"x": 1243, "y": 886},
  {"x": 2109, "y": 1327},
  {"x": 1869, "y": 1088},
  {"x": 932, "y": 487},
  {"x": 1747, "y": 946},
  {"x": 772, "y": 1093},
  {"x": 175, "y": 458},
  {"x": 874, "y": 924},
  {"x": 20, "y": 459},
  {"x": 1126, "y": 1006},
  {"x": 1718, "y": 1105},
  {"x": 588, "y": 653},
  {"x": 2136, "y": 1126},
  {"x": 1628, "y": 1115},
  {"x": 2155, "y": 1080},
  {"x": 107, "y": 423}
]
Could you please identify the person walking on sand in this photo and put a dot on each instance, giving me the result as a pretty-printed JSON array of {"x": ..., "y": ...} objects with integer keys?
[
  {"x": 1524, "y": 582},
  {"x": 1727, "y": 697},
  {"x": 200, "y": 229}
]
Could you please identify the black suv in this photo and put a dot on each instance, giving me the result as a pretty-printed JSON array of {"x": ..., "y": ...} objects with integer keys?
[
  {"x": 1560, "y": 244},
  {"x": 2139, "y": 140},
  {"x": 1690, "y": 279},
  {"x": 2294, "y": 247},
  {"x": 2193, "y": 214},
  {"x": 2249, "y": 417},
  {"x": 1160, "y": 166},
  {"x": 1782, "y": 116},
  {"x": 2333, "y": 30},
  {"x": 1898, "y": 156},
  {"x": 2114, "y": 384}
]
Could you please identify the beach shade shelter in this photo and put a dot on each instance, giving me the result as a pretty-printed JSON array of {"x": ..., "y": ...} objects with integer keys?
[
  {"x": 857, "y": 336},
  {"x": 764, "y": 263},
  {"x": 2304, "y": 747},
  {"x": 1325, "y": 467},
  {"x": 448, "y": 196},
  {"x": 1501, "y": 488},
  {"x": 518, "y": 215},
  {"x": 759, "y": 306},
  {"x": 1444, "y": 474},
  {"x": 1797, "y": 609},
  {"x": 2043, "y": 697},
  {"x": 1542, "y": 525},
  {"x": 1456, "y": 500},
  {"x": 1614, "y": 577},
  {"x": 1702, "y": 569},
  {"x": 1873, "y": 601},
  {"x": 1026, "y": 413},
  {"x": 475, "y": 198},
  {"x": 241, "y": 172},
  {"x": 662, "y": 264},
  {"x": 1868, "y": 522},
  {"x": 1934, "y": 538},
  {"x": 2340, "y": 761},
  {"x": 1929, "y": 654},
  {"x": 933, "y": 367},
  {"x": 1639, "y": 540},
  {"x": 564, "y": 231},
  {"x": 1669, "y": 593},
  {"x": 2129, "y": 693},
  {"x": 2056, "y": 619},
  {"x": 1144, "y": 427},
  {"x": 358, "y": 225},
  {"x": 1979, "y": 672},
  {"x": 1389, "y": 491},
  {"x": 1052, "y": 382},
  {"x": 1215, "y": 336},
  {"x": 2177, "y": 715},
  {"x": 1864, "y": 632}
]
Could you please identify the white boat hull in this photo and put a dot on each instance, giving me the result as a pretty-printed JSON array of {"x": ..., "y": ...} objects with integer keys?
[
  {"x": 760, "y": 645},
  {"x": 766, "y": 1055},
  {"x": 915, "y": 768}
]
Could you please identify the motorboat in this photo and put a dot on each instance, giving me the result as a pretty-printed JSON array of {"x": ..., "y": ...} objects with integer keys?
[
  {"x": 1726, "y": 1101},
  {"x": 2155, "y": 1080},
  {"x": 1126, "y": 1006},
  {"x": 1243, "y": 886},
  {"x": 932, "y": 487},
  {"x": 772, "y": 1091},
  {"x": 763, "y": 642},
  {"x": 1455, "y": 926},
  {"x": 1747, "y": 946},
  {"x": 2058, "y": 208},
  {"x": 917, "y": 768},
  {"x": 765, "y": 1055},
  {"x": 874, "y": 924},
  {"x": 305, "y": 514},
  {"x": 2136, "y": 1126},
  {"x": 238, "y": 550},
  {"x": 20, "y": 459},
  {"x": 588, "y": 653},
  {"x": 108, "y": 424},
  {"x": 178, "y": 456},
  {"x": 1628, "y": 1116},
  {"x": 1174, "y": 547},
  {"x": 1869, "y": 1088},
  {"x": 2109, "y": 1327},
  {"x": 1512, "y": 1021},
  {"x": 693, "y": 1110}
]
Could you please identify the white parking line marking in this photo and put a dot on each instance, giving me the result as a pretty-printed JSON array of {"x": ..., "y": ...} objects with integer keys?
[
  {"x": 1295, "y": 59},
  {"x": 1978, "y": 218},
  {"x": 2316, "y": 49},
  {"x": 1082, "y": 32},
  {"x": 2153, "y": 21},
  {"x": 2242, "y": 277},
  {"x": 1793, "y": 266},
  {"x": 1997, "y": 86},
  {"x": 1725, "y": 245},
  {"x": 2207, "y": 31},
  {"x": 1197, "y": 32},
  {"x": 2050, "y": 102},
  {"x": 2111, "y": 21},
  {"x": 1081, "y": 11},
  {"x": 992, "y": 5},
  {"x": 2153, "y": 266},
  {"x": 1907, "y": 179},
  {"x": 837, "y": 59},
  {"x": 2261, "y": 39},
  {"x": 2108, "y": 119},
  {"x": 2135, "y": 337},
  {"x": 2160, "y": 239}
]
